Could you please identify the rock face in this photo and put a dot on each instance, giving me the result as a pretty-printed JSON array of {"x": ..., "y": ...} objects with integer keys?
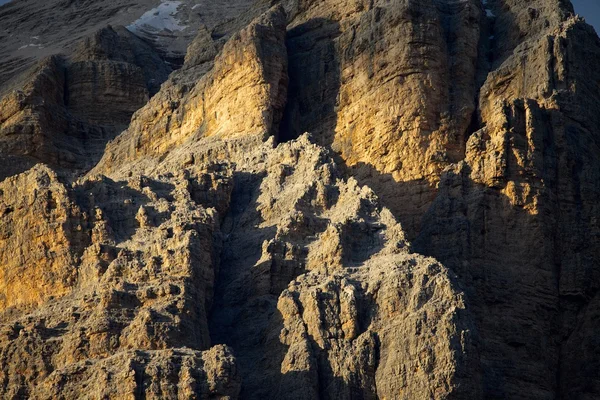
[
  {"x": 66, "y": 107},
  {"x": 133, "y": 302},
  {"x": 325, "y": 334},
  {"x": 32, "y": 31},
  {"x": 69, "y": 108},
  {"x": 41, "y": 239},
  {"x": 522, "y": 209},
  {"x": 399, "y": 92},
  {"x": 434, "y": 235},
  {"x": 249, "y": 74}
]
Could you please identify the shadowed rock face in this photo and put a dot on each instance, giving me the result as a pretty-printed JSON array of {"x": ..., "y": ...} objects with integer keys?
[
  {"x": 390, "y": 86},
  {"x": 33, "y": 30},
  {"x": 530, "y": 176},
  {"x": 219, "y": 251},
  {"x": 70, "y": 107}
]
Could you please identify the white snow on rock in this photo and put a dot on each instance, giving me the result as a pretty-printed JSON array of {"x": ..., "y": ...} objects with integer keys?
[
  {"x": 160, "y": 18},
  {"x": 31, "y": 45}
]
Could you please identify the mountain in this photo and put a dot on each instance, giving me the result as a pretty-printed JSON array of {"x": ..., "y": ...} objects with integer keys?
[{"x": 298, "y": 199}]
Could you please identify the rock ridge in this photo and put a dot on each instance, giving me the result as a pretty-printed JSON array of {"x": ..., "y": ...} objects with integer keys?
[{"x": 433, "y": 235}]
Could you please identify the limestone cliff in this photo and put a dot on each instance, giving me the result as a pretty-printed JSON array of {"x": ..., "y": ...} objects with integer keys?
[
  {"x": 242, "y": 93},
  {"x": 70, "y": 107},
  {"x": 383, "y": 199}
]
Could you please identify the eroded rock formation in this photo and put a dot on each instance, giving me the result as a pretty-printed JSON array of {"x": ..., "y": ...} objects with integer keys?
[
  {"x": 139, "y": 289},
  {"x": 70, "y": 107},
  {"x": 243, "y": 93},
  {"x": 434, "y": 235}
]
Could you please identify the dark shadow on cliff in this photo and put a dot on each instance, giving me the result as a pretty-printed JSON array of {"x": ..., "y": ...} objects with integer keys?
[
  {"x": 238, "y": 314},
  {"x": 502, "y": 254},
  {"x": 244, "y": 311},
  {"x": 478, "y": 232},
  {"x": 314, "y": 72},
  {"x": 311, "y": 375},
  {"x": 315, "y": 81},
  {"x": 256, "y": 266},
  {"x": 475, "y": 230}
]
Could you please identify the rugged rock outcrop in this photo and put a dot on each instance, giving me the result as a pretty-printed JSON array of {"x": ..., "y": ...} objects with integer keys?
[
  {"x": 41, "y": 241},
  {"x": 390, "y": 86},
  {"x": 144, "y": 285},
  {"x": 112, "y": 281},
  {"x": 219, "y": 251},
  {"x": 166, "y": 374},
  {"x": 32, "y": 31},
  {"x": 333, "y": 276},
  {"x": 522, "y": 209},
  {"x": 69, "y": 108},
  {"x": 242, "y": 92}
]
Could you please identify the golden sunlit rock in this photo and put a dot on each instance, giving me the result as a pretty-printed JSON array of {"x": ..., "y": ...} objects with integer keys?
[{"x": 336, "y": 199}]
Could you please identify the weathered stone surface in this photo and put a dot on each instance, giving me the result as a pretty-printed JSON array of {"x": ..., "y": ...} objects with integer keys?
[
  {"x": 69, "y": 108},
  {"x": 388, "y": 330},
  {"x": 345, "y": 340},
  {"x": 390, "y": 86},
  {"x": 521, "y": 209},
  {"x": 32, "y": 31},
  {"x": 145, "y": 283},
  {"x": 41, "y": 239},
  {"x": 219, "y": 222},
  {"x": 116, "y": 44},
  {"x": 166, "y": 374},
  {"x": 143, "y": 280},
  {"x": 242, "y": 94}
]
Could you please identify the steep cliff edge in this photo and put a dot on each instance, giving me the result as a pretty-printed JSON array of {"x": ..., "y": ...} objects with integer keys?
[
  {"x": 522, "y": 207},
  {"x": 250, "y": 74},
  {"x": 178, "y": 253},
  {"x": 70, "y": 107},
  {"x": 218, "y": 251}
]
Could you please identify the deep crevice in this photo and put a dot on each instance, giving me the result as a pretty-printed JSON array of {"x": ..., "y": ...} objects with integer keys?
[{"x": 314, "y": 81}]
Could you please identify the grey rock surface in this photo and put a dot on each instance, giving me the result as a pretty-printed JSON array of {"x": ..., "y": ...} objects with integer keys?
[{"x": 434, "y": 235}]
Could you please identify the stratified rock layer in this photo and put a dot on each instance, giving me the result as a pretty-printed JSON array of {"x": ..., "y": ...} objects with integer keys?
[
  {"x": 218, "y": 251},
  {"x": 69, "y": 108},
  {"x": 243, "y": 92}
]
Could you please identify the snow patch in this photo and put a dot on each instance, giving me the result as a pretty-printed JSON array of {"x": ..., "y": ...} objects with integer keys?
[
  {"x": 39, "y": 46},
  {"x": 160, "y": 18}
]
